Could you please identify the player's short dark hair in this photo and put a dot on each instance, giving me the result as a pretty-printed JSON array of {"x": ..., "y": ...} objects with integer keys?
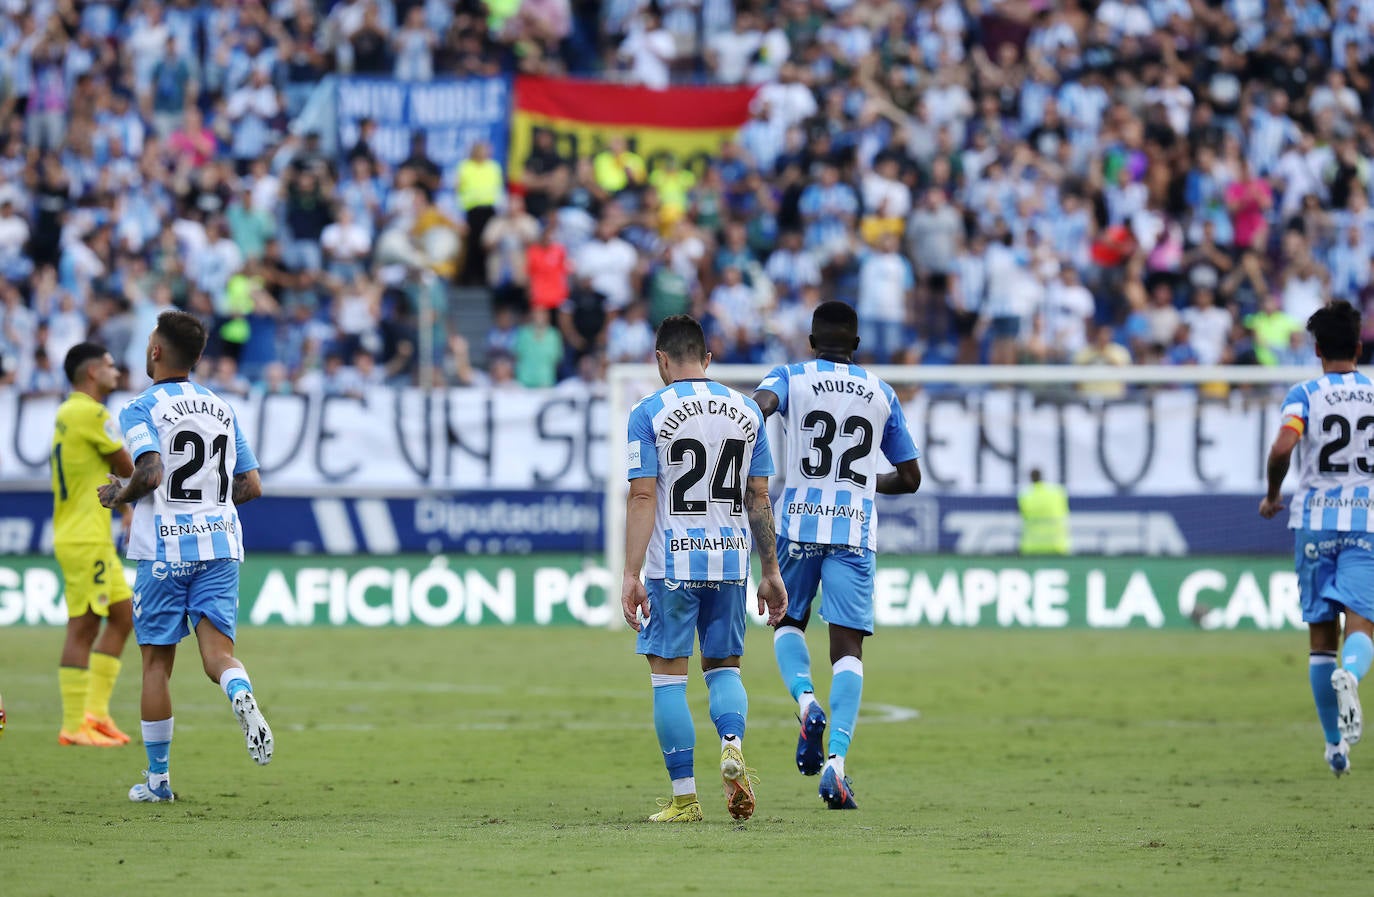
[
  {"x": 835, "y": 315},
  {"x": 78, "y": 355},
  {"x": 680, "y": 337},
  {"x": 184, "y": 334},
  {"x": 1336, "y": 328}
]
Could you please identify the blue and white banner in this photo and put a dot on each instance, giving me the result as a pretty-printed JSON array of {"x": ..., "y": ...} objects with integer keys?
[
  {"x": 468, "y": 523},
  {"x": 452, "y": 113},
  {"x": 482, "y": 523},
  {"x": 929, "y": 523},
  {"x": 395, "y": 442},
  {"x": 502, "y": 522},
  {"x": 399, "y": 442}
]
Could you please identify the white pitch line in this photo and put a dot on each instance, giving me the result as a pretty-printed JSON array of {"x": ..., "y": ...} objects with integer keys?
[{"x": 873, "y": 713}]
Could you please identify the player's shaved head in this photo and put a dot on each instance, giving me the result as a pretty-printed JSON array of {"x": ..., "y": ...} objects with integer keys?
[
  {"x": 182, "y": 337},
  {"x": 78, "y": 357},
  {"x": 1336, "y": 330},
  {"x": 835, "y": 329},
  {"x": 680, "y": 338}
]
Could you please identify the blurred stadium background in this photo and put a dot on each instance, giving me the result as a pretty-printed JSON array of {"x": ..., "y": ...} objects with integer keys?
[
  {"x": 423, "y": 232},
  {"x": 431, "y": 239}
]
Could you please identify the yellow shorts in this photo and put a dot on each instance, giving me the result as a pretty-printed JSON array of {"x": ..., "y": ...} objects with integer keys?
[{"x": 94, "y": 578}]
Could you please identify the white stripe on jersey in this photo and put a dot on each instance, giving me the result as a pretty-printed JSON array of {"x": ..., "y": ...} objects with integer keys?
[
  {"x": 191, "y": 515},
  {"x": 702, "y": 441},
  {"x": 1335, "y": 459},
  {"x": 838, "y": 419}
]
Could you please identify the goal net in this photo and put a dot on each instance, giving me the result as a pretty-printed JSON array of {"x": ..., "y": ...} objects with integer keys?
[{"x": 1156, "y": 460}]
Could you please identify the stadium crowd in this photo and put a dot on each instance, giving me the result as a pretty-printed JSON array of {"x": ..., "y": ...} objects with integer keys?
[{"x": 1163, "y": 182}]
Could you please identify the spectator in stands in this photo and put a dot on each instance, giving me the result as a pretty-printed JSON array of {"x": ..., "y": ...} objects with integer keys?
[
  {"x": 508, "y": 239},
  {"x": 548, "y": 268},
  {"x": 736, "y": 316},
  {"x": 1209, "y": 328},
  {"x": 308, "y": 213},
  {"x": 1136, "y": 146},
  {"x": 1103, "y": 350},
  {"x": 546, "y": 174},
  {"x": 1065, "y": 316},
  {"x": 1272, "y": 330},
  {"x": 887, "y": 293},
  {"x": 648, "y": 50},
  {"x": 413, "y": 45},
  {"x": 617, "y": 168},
  {"x": 610, "y": 265},
  {"x": 538, "y": 350},
  {"x": 480, "y": 185},
  {"x": 346, "y": 245}
]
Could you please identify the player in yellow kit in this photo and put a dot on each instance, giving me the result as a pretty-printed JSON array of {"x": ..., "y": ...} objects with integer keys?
[{"x": 86, "y": 448}]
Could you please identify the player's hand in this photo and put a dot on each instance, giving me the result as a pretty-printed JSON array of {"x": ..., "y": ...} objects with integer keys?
[
  {"x": 1270, "y": 506},
  {"x": 773, "y": 598},
  {"x": 109, "y": 493},
  {"x": 634, "y": 601}
]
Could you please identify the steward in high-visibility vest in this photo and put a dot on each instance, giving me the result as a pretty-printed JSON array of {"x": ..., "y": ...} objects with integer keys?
[{"x": 1044, "y": 517}]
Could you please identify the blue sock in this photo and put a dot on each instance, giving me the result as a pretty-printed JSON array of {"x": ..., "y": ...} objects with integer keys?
[
  {"x": 157, "y": 741},
  {"x": 234, "y": 681},
  {"x": 794, "y": 660},
  {"x": 1357, "y": 654},
  {"x": 677, "y": 734},
  {"x": 1320, "y": 666},
  {"x": 729, "y": 703},
  {"x": 846, "y": 691}
]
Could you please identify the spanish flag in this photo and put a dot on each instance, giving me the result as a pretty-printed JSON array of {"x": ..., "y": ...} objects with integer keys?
[{"x": 689, "y": 122}]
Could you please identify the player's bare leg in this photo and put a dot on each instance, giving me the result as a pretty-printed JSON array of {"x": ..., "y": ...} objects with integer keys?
[{"x": 225, "y": 670}]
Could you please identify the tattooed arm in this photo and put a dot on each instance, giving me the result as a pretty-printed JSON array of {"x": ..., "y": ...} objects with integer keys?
[
  {"x": 147, "y": 476},
  {"x": 247, "y": 486},
  {"x": 772, "y": 592}
]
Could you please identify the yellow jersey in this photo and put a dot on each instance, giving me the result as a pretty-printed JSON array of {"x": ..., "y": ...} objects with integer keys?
[
  {"x": 84, "y": 434},
  {"x": 478, "y": 183}
]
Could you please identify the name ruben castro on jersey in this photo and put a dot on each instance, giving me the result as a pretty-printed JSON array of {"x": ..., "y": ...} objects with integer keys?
[{"x": 738, "y": 414}]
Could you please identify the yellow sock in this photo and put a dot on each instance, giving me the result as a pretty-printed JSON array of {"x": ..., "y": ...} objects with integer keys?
[
  {"x": 73, "y": 682},
  {"x": 104, "y": 671}
]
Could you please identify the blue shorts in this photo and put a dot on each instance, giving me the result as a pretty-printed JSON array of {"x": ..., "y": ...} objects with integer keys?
[
  {"x": 844, "y": 575},
  {"x": 1335, "y": 571},
  {"x": 166, "y": 593},
  {"x": 680, "y": 610}
]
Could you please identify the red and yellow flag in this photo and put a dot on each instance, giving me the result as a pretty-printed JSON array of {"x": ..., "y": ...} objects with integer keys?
[{"x": 689, "y": 122}]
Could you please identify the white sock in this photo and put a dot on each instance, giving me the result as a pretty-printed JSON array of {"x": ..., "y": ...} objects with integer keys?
[
  {"x": 731, "y": 739},
  {"x": 230, "y": 675},
  {"x": 682, "y": 787},
  {"x": 837, "y": 763},
  {"x": 805, "y": 701}
]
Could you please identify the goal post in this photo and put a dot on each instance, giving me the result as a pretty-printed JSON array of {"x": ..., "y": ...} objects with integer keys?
[{"x": 1152, "y": 430}]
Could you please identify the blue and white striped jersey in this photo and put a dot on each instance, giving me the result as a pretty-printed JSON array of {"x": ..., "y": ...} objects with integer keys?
[
  {"x": 191, "y": 515},
  {"x": 833, "y": 414},
  {"x": 1335, "y": 462},
  {"x": 702, "y": 441}
]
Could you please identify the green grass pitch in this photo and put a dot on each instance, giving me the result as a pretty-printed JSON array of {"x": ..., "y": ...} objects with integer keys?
[{"x": 522, "y": 761}]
